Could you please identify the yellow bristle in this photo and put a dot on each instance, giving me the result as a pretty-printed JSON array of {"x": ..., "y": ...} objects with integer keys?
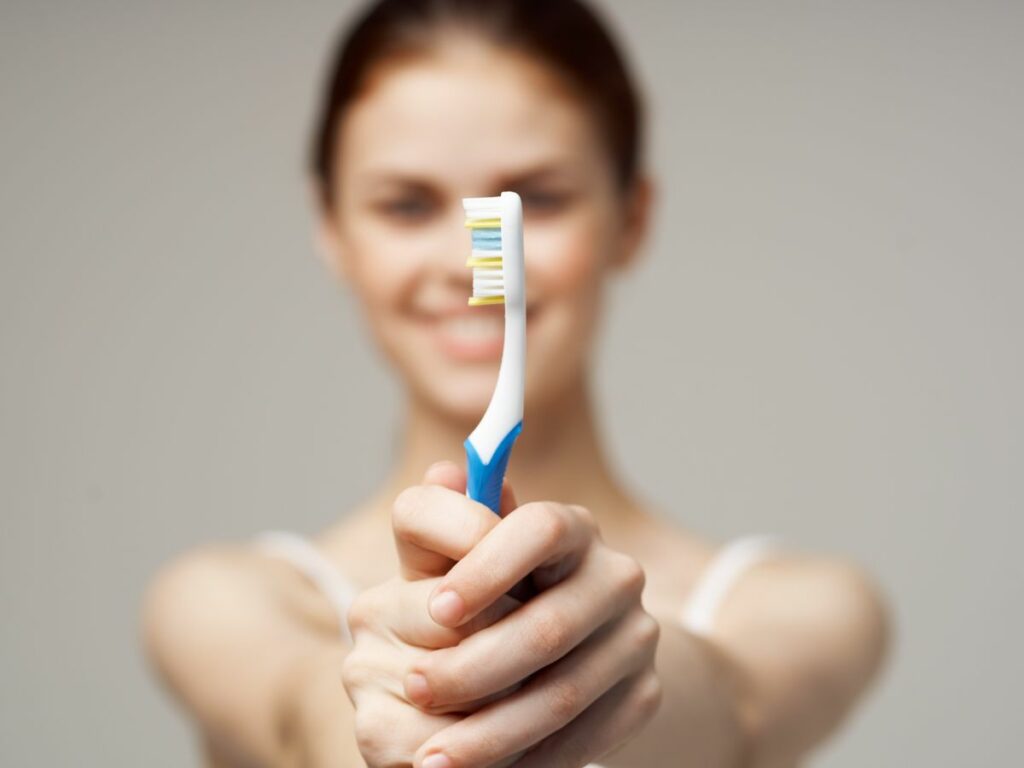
[
  {"x": 483, "y": 261},
  {"x": 483, "y": 223},
  {"x": 478, "y": 301}
]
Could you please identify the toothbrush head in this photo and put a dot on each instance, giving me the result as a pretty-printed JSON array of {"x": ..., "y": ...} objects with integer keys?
[{"x": 495, "y": 224}]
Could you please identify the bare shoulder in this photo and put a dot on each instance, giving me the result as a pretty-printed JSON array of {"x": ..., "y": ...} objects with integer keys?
[
  {"x": 818, "y": 595},
  {"x": 209, "y": 592},
  {"x": 225, "y": 626},
  {"x": 204, "y": 586},
  {"x": 812, "y": 631}
]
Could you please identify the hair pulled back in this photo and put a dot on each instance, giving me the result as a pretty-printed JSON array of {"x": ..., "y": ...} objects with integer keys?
[{"x": 566, "y": 35}]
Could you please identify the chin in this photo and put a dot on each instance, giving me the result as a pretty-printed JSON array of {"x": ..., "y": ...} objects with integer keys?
[{"x": 463, "y": 395}]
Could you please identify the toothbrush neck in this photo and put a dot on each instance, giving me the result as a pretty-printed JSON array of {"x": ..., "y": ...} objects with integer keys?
[
  {"x": 559, "y": 455},
  {"x": 506, "y": 407}
]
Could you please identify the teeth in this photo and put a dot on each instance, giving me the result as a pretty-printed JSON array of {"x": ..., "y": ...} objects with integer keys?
[{"x": 473, "y": 326}]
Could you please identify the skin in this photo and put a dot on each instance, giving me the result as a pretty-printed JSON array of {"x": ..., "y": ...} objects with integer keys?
[{"x": 561, "y": 644}]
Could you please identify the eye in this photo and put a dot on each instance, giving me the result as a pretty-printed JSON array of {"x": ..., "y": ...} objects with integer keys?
[
  {"x": 544, "y": 201},
  {"x": 408, "y": 208}
]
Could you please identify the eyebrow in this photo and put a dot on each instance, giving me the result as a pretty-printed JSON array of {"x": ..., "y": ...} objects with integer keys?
[
  {"x": 398, "y": 178},
  {"x": 540, "y": 172}
]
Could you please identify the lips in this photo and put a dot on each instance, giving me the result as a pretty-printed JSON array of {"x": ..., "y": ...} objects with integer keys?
[{"x": 474, "y": 335}]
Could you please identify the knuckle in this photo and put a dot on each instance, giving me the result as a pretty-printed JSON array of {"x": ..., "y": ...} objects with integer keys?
[
  {"x": 646, "y": 630},
  {"x": 585, "y": 515},
  {"x": 649, "y": 693},
  {"x": 564, "y": 699},
  {"x": 405, "y": 510},
  {"x": 373, "y": 730},
  {"x": 360, "y": 612},
  {"x": 354, "y": 673},
  {"x": 349, "y": 674},
  {"x": 551, "y": 523},
  {"x": 446, "y": 674},
  {"x": 548, "y": 635},
  {"x": 630, "y": 575}
]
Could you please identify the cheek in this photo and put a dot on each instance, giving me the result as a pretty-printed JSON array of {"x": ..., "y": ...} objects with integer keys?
[
  {"x": 384, "y": 269},
  {"x": 565, "y": 275},
  {"x": 566, "y": 262}
]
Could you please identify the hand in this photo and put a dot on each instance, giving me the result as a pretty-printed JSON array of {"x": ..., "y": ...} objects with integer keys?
[
  {"x": 434, "y": 525},
  {"x": 567, "y": 676}
]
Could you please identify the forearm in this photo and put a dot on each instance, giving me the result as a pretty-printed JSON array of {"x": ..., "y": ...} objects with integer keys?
[
  {"x": 700, "y": 721},
  {"x": 318, "y": 725}
]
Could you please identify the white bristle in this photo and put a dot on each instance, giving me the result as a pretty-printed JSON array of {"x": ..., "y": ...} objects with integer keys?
[
  {"x": 488, "y": 281},
  {"x": 482, "y": 207}
]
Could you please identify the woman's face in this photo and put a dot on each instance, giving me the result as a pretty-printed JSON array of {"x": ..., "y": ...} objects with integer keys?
[{"x": 472, "y": 121}]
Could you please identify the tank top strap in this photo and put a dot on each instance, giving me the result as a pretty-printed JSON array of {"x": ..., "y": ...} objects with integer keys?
[
  {"x": 309, "y": 560},
  {"x": 726, "y": 567}
]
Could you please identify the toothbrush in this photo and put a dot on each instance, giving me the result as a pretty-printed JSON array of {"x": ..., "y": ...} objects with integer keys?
[{"x": 496, "y": 225}]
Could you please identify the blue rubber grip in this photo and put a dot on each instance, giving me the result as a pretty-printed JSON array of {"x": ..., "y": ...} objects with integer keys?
[{"x": 484, "y": 480}]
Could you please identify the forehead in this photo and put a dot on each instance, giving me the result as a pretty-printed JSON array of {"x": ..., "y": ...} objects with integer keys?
[{"x": 467, "y": 115}]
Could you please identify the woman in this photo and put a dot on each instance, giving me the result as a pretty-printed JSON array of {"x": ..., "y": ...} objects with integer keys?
[{"x": 580, "y": 625}]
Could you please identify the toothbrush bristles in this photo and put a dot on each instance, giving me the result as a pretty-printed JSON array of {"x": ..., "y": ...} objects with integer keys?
[{"x": 483, "y": 219}]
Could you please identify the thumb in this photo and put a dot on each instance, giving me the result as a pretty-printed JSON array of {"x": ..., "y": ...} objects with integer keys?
[
  {"x": 446, "y": 473},
  {"x": 452, "y": 476}
]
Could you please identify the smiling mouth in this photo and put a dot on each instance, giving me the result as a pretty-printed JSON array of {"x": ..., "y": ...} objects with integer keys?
[
  {"x": 477, "y": 334},
  {"x": 473, "y": 326}
]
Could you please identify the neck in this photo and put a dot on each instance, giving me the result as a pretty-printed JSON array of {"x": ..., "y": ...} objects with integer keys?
[{"x": 557, "y": 457}]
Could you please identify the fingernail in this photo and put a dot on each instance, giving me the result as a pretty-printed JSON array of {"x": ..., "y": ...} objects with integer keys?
[
  {"x": 447, "y": 607},
  {"x": 436, "y": 760},
  {"x": 417, "y": 688}
]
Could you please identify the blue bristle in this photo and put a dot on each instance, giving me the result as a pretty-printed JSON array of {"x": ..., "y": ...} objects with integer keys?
[{"x": 487, "y": 239}]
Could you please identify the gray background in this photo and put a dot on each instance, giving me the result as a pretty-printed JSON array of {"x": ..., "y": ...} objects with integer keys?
[{"x": 829, "y": 323}]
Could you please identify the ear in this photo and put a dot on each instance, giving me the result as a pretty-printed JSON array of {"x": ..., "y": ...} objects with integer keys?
[
  {"x": 639, "y": 205},
  {"x": 326, "y": 237}
]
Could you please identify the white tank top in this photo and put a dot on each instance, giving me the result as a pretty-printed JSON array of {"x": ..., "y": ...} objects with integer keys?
[{"x": 697, "y": 615}]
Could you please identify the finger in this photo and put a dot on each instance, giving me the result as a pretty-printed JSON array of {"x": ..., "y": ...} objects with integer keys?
[
  {"x": 451, "y": 475},
  {"x": 508, "y": 498},
  {"x": 524, "y": 588},
  {"x": 433, "y": 526},
  {"x": 386, "y": 732},
  {"x": 399, "y": 608},
  {"x": 534, "y": 535},
  {"x": 606, "y": 585},
  {"x": 373, "y": 665},
  {"x": 551, "y": 698},
  {"x": 615, "y": 718},
  {"x": 447, "y": 474}
]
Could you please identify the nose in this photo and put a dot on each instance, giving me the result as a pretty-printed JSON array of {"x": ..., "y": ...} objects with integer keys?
[{"x": 452, "y": 248}]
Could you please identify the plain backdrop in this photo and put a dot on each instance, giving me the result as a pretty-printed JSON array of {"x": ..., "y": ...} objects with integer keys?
[{"x": 824, "y": 340}]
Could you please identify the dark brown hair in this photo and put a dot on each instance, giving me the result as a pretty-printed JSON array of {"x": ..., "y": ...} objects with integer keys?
[{"x": 565, "y": 34}]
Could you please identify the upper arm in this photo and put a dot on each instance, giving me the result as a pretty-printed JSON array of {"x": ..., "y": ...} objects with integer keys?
[
  {"x": 223, "y": 644},
  {"x": 810, "y": 634}
]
